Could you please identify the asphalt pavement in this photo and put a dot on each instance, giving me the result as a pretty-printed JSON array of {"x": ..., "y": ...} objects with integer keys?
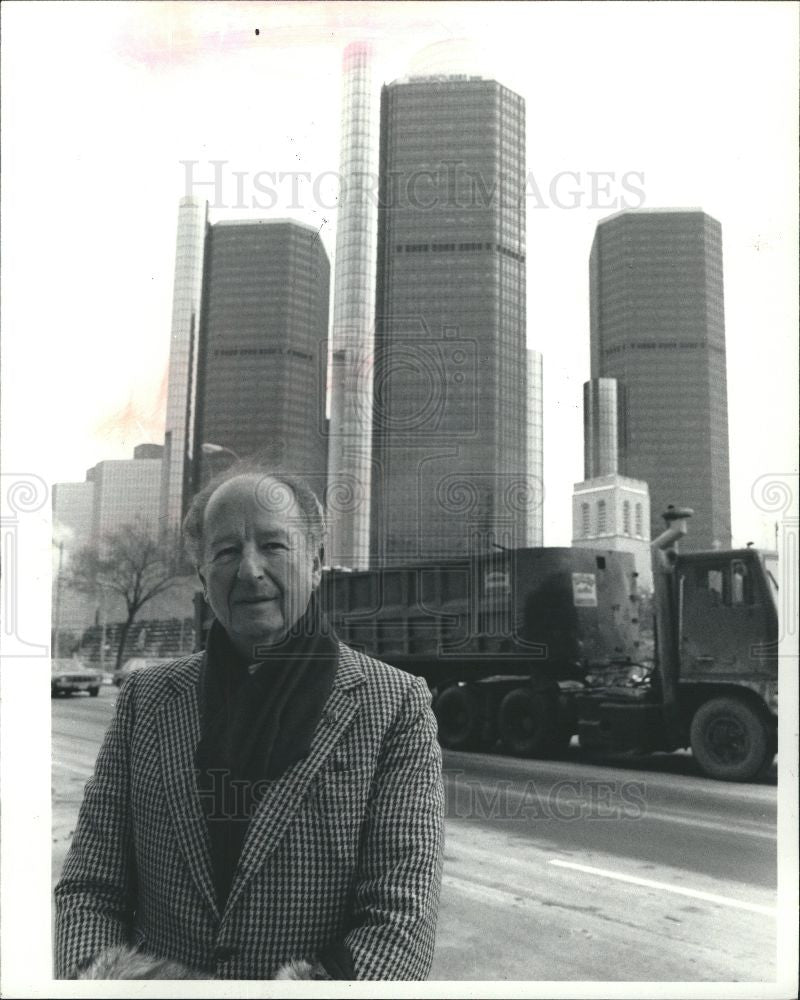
[{"x": 625, "y": 869}]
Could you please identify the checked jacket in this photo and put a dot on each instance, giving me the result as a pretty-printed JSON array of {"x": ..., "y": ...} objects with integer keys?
[{"x": 346, "y": 845}]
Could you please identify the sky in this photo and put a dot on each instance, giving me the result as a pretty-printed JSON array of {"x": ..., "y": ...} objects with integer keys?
[{"x": 680, "y": 105}]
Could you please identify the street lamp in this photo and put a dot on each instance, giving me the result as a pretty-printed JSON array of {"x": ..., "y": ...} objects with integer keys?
[{"x": 209, "y": 448}]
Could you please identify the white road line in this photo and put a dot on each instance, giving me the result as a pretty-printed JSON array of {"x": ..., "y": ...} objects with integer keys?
[{"x": 709, "y": 897}]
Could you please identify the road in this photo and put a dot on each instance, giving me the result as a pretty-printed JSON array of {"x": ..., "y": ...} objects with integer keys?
[{"x": 636, "y": 869}]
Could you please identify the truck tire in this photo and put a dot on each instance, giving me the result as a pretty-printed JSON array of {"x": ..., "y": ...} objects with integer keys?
[
  {"x": 94, "y": 692},
  {"x": 730, "y": 740},
  {"x": 528, "y": 723},
  {"x": 458, "y": 715}
]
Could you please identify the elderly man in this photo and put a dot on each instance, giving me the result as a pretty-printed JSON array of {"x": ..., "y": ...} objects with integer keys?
[{"x": 272, "y": 807}]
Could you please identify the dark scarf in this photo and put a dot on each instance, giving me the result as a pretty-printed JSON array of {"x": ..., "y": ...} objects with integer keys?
[{"x": 254, "y": 726}]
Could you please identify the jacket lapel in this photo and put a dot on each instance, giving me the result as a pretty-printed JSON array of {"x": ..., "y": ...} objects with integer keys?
[
  {"x": 280, "y": 804},
  {"x": 179, "y": 732}
]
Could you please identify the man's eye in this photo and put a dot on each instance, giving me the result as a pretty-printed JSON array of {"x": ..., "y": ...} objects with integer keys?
[
  {"x": 225, "y": 553},
  {"x": 273, "y": 546}
]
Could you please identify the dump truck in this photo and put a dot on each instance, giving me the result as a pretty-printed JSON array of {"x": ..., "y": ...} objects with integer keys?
[{"x": 530, "y": 647}]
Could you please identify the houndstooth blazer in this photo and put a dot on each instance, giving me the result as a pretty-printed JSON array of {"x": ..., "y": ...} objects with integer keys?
[{"x": 346, "y": 845}]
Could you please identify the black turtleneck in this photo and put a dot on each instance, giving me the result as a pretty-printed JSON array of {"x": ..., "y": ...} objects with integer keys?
[{"x": 254, "y": 726}]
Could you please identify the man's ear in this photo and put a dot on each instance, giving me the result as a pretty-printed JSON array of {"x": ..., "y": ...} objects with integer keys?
[
  {"x": 316, "y": 568},
  {"x": 203, "y": 582}
]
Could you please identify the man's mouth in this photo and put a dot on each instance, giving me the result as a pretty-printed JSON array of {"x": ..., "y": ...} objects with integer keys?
[{"x": 256, "y": 600}]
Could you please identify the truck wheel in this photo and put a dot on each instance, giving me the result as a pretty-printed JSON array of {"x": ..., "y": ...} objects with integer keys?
[
  {"x": 94, "y": 692},
  {"x": 458, "y": 715},
  {"x": 730, "y": 740},
  {"x": 527, "y": 722}
]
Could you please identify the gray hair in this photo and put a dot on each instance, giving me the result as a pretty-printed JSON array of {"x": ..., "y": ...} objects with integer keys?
[{"x": 310, "y": 507}]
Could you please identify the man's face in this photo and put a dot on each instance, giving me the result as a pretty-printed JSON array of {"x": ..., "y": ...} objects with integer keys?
[{"x": 258, "y": 567}]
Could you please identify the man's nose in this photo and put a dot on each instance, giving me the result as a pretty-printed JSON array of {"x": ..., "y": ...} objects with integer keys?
[{"x": 251, "y": 565}]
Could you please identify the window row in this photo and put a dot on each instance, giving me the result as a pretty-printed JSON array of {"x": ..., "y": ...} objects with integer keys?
[
  {"x": 452, "y": 247},
  {"x": 601, "y": 519}
]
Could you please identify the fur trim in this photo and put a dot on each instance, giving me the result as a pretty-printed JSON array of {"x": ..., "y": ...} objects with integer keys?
[
  {"x": 122, "y": 962},
  {"x": 299, "y": 968}
]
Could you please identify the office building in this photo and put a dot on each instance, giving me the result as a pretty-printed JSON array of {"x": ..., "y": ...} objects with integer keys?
[
  {"x": 535, "y": 449},
  {"x": 450, "y": 400},
  {"x": 181, "y": 391},
  {"x": 115, "y": 494},
  {"x": 350, "y": 441},
  {"x": 262, "y": 362},
  {"x": 73, "y": 512},
  {"x": 126, "y": 492},
  {"x": 657, "y": 327}
]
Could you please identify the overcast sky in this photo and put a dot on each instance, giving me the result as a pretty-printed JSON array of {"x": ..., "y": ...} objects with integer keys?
[{"x": 696, "y": 104}]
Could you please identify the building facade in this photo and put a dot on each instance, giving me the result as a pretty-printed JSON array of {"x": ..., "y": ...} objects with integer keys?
[
  {"x": 450, "y": 399},
  {"x": 613, "y": 512},
  {"x": 115, "y": 494},
  {"x": 536, "y": 448},
  {"x": 263, "y": 349},
  {"x": 182, "y": 379},
  {"x": 350, "y": 440},
  {"x": 657, "y": 326},
  {"x": 126, "y": 492}
]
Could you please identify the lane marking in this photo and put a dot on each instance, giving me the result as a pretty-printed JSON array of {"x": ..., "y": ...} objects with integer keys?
[
  {"x": 709, "y": 897},
  {"x": 742, "y": 826}
]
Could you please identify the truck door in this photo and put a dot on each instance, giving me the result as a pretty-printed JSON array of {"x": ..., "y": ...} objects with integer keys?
[{"x": 723, "y": 616}]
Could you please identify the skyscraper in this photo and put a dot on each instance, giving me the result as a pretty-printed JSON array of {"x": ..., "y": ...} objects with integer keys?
[
  {"x": 181, "y": 391},
  {"x": 263, "y": 348},
  {"x": 449, "y": 382},
  {"x": 535, "y": 449},
  {"x": 657, "y": 326},
  {"x": 349, "y": 444},
  {"x": 603, "y": 428},
  {"x": 126, "y": 492}
]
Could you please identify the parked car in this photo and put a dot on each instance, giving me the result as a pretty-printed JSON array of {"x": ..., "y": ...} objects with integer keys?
[
  {"x": 138, "y": 663},
  {"x": 69, "y": 676}
]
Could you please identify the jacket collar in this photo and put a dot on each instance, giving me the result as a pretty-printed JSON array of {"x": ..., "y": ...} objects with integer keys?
[{"x": 350, "y": 673}]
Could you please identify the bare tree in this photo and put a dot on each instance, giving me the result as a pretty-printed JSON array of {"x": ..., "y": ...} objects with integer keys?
[{"x": 129, "y": 563}]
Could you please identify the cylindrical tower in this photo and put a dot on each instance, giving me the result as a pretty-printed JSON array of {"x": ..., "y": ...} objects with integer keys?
[
  {"x": 603, "y": 427},
  {"x": 181, "y": 391},
  {"x": 349, "y": 443},
  {"x": 535, "y": 441}
]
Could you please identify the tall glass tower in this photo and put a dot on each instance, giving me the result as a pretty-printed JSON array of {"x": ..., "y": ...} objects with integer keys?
[
  {"x": 658, "y": 327},
  {"x": 182, "y": 385},
  {"x": 536, "y": 448},
  {"x": 263, "y": 349},
  {"x": 349, "y": 443},
  {"x": 450, "y": 375}
]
